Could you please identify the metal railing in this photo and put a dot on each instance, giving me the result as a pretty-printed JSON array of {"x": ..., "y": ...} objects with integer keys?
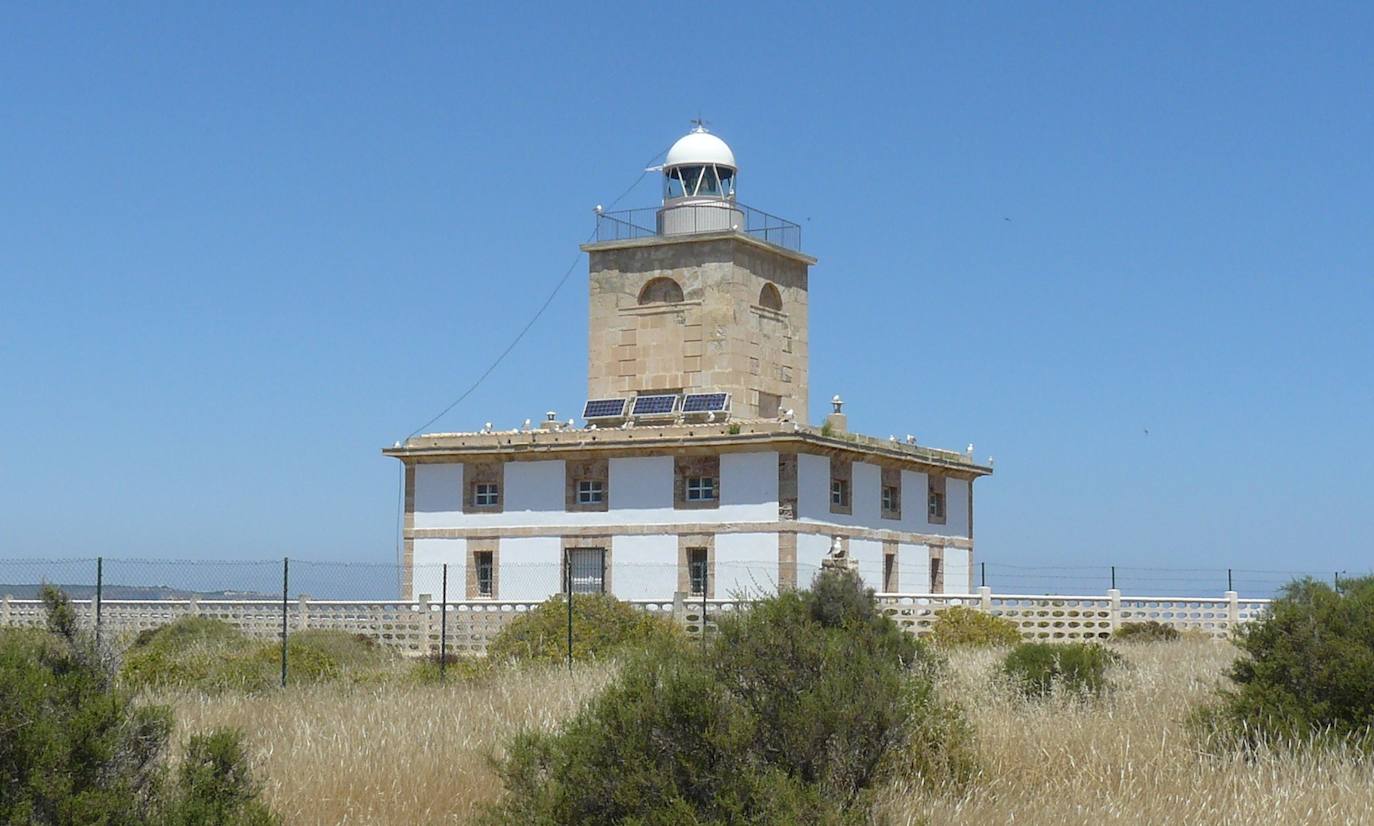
[{"x": 630, "y": 224}]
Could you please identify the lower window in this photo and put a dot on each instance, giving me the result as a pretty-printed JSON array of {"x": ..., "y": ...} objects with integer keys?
[
  {"x": 587, "y": 570},
  {"x": 484, "y": 565},
  {"x": 697, "y": 570}
]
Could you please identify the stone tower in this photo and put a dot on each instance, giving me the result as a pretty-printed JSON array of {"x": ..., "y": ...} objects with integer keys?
[{"x": 705, "y": 295}]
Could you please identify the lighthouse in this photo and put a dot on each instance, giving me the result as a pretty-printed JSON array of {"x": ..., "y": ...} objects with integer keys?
[{"x": 692, "y": 469}]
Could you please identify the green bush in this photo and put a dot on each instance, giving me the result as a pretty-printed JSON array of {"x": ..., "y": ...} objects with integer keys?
[
  {"x": 1148, "y": 631},
  {"x": 789, "y": 715},
  {"x": 601, "y": 625},
  {"x": 210, "y": 655},
  {"x": 1309, "y": 672},
  {"x": 1035, "y": 668},
  {"x": 960, "y": 625},
  {"x": 76, "y": 748}
]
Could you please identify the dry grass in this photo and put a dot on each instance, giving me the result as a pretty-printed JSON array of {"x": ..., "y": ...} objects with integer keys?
[
  {"x": 402, "y": 753},
  {"x": 394, "y": 752},
  {"x": 1127, "y": 759}
]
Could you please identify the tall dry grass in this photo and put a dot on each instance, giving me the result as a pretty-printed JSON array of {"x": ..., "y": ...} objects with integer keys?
[
  {"x": 1128, "y": 758},
  {"x": 395, "y": 752},
  {"x": 402, "y": 753}
]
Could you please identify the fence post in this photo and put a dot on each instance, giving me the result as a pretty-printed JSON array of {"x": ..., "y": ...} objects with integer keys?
[
  {"x": 1232, "y": 611},
  {"x": 982, "y": 574},
  {"x": 1113, "y": 577},
  {"x": 285, "y": 587},
  {"x": 99, "y": 596},
  {"x": 568, "y": 565},
  {"x": 443, "y": 625},
  {"x": 1114, "y": 619},
  {"x": 302, "y": 612},
  {"x": 705, "y": 587}
]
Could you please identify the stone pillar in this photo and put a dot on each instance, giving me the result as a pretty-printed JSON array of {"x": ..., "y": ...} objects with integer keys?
[
  {"x": 1232, "y": 611},
  {"x": 680, "y": 608},
  {"x": 985, "y": 599},
  {"x": 425, "y": 624},
  {"x": 193, "y": 606},
  {"x": 5, "y": 610},
  {"x": 1114, "y": 594},
  {"x": 302, "y": 612}
]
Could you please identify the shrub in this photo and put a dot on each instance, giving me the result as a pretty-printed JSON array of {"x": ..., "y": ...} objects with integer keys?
[
  {"x": 76, "y": 748},
  {"x": 210, "y": 655},
  {"x": 1148, "y": 631},
  {"x": 1080, "y": 668},
  {"x": 601, "y": 625},
  {"x": 1310, "y": 667},
  {"x": 963, "y": 626},
  {"x": 791, "y": 713}
]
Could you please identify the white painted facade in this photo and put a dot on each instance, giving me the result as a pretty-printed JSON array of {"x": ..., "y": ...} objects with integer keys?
[{"x": 645, "y": 565}]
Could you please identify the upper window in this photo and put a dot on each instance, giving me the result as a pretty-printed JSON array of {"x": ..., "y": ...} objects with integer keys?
[
  {"x": 660, "y": 291},
  {"x": 486, "y": 495},
  {"x": 591, "y": 492},
  {"x": 770, "y": 298},
  {"x": 839, "y": 492},
  {"x": 892, "y": 499},
  {"x": 937, "y": 505},
  {"x": 701, "y": 488}
]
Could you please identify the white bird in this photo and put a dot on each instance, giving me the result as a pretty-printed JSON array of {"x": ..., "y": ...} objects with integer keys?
[
  {"x": 527, "y": 424},
  {"x": 570, "y": 424},
  {"x": 892, "y": 438},
  {"x": 969, "y": 449},
  {"x": 911, "y": 440}
]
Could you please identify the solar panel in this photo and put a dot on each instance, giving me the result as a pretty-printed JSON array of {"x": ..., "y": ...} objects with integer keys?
[
  {"x": 604, "y": 409},
  {"x": 706, "y": 403},
  {"x": 655, "y": 405}
]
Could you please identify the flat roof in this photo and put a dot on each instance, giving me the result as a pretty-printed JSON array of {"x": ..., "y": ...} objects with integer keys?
[{"x": 728, "y": 436}]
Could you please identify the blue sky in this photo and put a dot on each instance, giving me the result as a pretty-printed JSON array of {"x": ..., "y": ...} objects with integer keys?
[{"x": 243, "y": 248}]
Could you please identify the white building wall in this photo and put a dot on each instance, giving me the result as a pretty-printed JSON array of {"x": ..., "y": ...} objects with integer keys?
[
  {"x": 530, "y": 567},
  {"x": 746, "y": 564},
  {"x": 869, "y": 556},
  {"x": 915, "y": 496},
  {"x": 811, "y": 549},
  {"x": 429, "y": 557},
  {"x": 644, "y": 567},
  {"x": 534, "y": 491},
  {"x": 748, "y": 488},
  {"x": 438, "y": 495},
  {"x": 865, "y": 491},
  {"x": 958, "y": 571},
  {"x": 813, "y": 489},
  {"x": 913, "y": 569},
  {"x": 956, "y": 509}
]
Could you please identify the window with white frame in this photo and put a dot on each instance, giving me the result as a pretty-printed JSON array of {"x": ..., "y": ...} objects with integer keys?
[
  {"x": 839, "y": 492},
  {"x": 892, "y": 499},
  {"x": 591, "y": 492},
  {"x": 486, "y": 494},
  {"x": 701, "y": 488}
]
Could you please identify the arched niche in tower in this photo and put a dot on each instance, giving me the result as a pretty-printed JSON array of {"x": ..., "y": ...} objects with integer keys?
[
  {"x": 770, "y": 298},
  {"x": 660, "y": 291}
]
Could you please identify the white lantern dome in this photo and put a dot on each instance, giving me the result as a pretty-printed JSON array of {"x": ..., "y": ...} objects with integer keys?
[
  {"x": 700, "y": 147},
  {"x": 699, "y": 167}
]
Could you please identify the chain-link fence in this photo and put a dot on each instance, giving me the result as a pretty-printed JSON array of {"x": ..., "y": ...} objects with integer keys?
[{"x": 456, "y": 608}]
